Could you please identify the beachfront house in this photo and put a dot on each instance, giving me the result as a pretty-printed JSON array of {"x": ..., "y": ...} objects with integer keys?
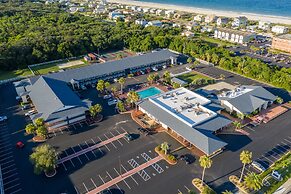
[
  {"x": 240, "y": 21},
  {"x": 154, "y": 23},
  {"x": 231, "y": 35},
  {"x": 191, "y": 25},
  {"x": 141, "y": 22},
  {"x": 264, "y": 25},
  {"x": 160, "y": 12},
  {"x": 210, "y": 18},
  {"x": 198, "y": 18},
  {"x": 222, "y": 21},
  {"x": 280, "y": 29},
  {"x": 169, "y": 13}
]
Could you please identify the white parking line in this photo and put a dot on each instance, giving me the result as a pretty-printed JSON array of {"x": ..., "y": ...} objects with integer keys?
[
  {"x": 98, "y": 148},
  {"x": 123, "y": 179},
  {"x": 4, "y": 143},
  {"x": 16, "y": 179},
  {"x": 6, "y": 158},
  {"x": 110, "y": 141},
  {"x": 91, "y": 150},
  {"x": 287, "y": 140},
  {"x": 3, "y": 168},
  {"x": 187, "y": 188},
  {"x": 250, "y": 128},
  {"x": 104, "y": 183},
  {"x": 77, "y": 156},
  {"x": 105, "y": 144},
  {"x": 268, "y": 159},
  {"x": 6, "y": 150},
  {"x": 70, "y": 160},
  {"x": 7, "y": 162},
  {"x": 85, "y": 187},
  {"x": 16, "y": 191},
  {"x": 286, "y": 145},
  {"x": 130, "y": 176},
  {"x": 14, "y": 169},
  {"x": 64, "y": 166},
  {"x": 85, "y": 153},
  {"x": 76, "y": 190},
  {"x": 117, "y": 139},
  {"x": 93, "y": 183},
  {"x": 8, "y": 153},
  {"x": 282, "y": 147},
  {"x": 7, "y": 177},
  {"x": 15, "y": 185},
  {"x": 280, "y": 151},
  {"x": 112, "y": 179}
]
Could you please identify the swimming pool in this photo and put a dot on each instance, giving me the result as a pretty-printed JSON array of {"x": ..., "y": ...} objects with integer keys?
[{"x": 149, "y": 92}]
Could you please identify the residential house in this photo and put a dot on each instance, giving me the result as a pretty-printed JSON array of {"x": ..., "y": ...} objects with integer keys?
[
  {"x": 154, "y": 23},
  {"x": 210, "y": 18},
  {"x": 240, "y": 21},
  {"x": 141, "y": 22},
  {"x": 198, "y": 18},
  {"x": 231, "y": 35},
  {"x": 264, "y": 25},
  {"x": 188, "y": 34},
  {"x": 280, "y": 29},
  {"x": 160, "y": 12},
  {"x": 222, "y": 21}
]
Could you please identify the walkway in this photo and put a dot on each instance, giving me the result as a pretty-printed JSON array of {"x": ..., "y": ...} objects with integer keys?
[
  {"x": 89, "y": 149},
  {"x": 125, "y": 175}
]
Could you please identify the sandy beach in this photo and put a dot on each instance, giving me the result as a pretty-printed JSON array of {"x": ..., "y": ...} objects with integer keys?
[{"x": 251, "y": 16}]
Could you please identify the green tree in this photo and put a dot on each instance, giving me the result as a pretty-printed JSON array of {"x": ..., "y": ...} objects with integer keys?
[
  {"x": 44, "y": 158},
  {"x": 237, "y": 124},
  {"x": 113, "y": 89},
  {"x": 120, "y": 106},
  {"x": 107, "y": 85},
  {"x": 39, "y": 122},
  {"x": 100, "y": 86},
  {"x": 167, "y": 77},
  {"x": 246, "y": 158},
  {"x": 226, "y": 192},
  {"x": 205, "y": 162},
  {"x": 190, "y": 60},
  {"x": 133, "y": 97},
  {"x": 121, "y": 81},
  {"x": 30, "y": 128},
  {"x": 165, "y": 147},
  {"x": 42, "y": 131},
  {"x": 95, "y": 110},
  {"x": 175, "y": 85},
  {"x": 279, "y": 100},
  {"x": 253, "y": 181}
]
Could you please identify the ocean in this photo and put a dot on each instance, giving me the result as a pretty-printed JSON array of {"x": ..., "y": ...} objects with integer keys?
[{"x": 264, "y": 7}]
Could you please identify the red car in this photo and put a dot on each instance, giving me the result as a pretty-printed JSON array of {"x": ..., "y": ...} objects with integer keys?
[{"x": 19, "y": 144}]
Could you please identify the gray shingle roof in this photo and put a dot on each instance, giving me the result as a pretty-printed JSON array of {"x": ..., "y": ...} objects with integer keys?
[
  {"x": 55, "y": 99},
  {"x": 250, "y": 101},
  {"x": 112, "y": 66},
  {"x": 202, "y": 139}
]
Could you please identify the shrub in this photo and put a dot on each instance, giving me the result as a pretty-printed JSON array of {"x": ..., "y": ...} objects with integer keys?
[{"x": 171, "y": 157}]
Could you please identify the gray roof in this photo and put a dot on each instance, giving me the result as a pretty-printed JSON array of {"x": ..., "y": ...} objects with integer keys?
[
  {"x": 54, "y": 99},
  {"x": 179, "y": 81},
  {"x": 250, "y": 101},
  {"x": 99, "y": 69},
  {"x": 201, "y": 137}
]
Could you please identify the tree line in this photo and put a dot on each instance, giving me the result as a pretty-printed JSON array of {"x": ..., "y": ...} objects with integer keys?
[{"x": 34, "y": 33}]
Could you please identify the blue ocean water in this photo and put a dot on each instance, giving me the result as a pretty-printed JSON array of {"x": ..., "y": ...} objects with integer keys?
[{"x": 265, "y": 7}]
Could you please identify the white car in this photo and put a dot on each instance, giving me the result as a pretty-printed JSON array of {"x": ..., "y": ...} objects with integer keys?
[
  {"x": 31, "y": 112},
  {"x": 112, "y": 102},
  {"x": 258, "y": 166},
  {"x": 107, "y": 97},
  {"x": 3, "y": 118}
]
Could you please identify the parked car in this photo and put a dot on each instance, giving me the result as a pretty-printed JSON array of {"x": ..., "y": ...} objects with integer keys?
[
  {"x": 112, "y": 101},
  {"x": 107, "y": 97},
  {"x": 258, "y": 166},
  {"x": 83, "y": 87},
  {"x": 18, "y": 98},
  {"x": 19, "y": 145},
  {"x": 31, "y": 112},
  {"x": 185, "y": 158},
  {"x": 3, "y": 118},
  {"x": 26, "y": 106},
  {"x": 128, "y": 137}
]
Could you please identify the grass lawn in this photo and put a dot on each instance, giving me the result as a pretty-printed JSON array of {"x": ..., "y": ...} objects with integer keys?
[
  {"x": 283, "y": 166},
  {"x": 189, "y": 77},
  {"x": 12, "y": 74},
  {"x": 44, "y": 69},
  {"x": 216, "y": 41}
]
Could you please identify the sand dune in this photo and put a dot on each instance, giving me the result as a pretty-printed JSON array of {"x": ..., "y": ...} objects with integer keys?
[{"x": 251, "y": 16}]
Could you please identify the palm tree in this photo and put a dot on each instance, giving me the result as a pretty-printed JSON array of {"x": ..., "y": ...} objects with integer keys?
[
  {"x": 41, "y": 131},
  {"x": 120, "y": 106},
  {"x": 30, "y": 128},
  {"x": 226, "y": 192},
  {"x": 100, "y": 86},
  {"x": 133, "y": 97},
  {"x": 151, "y": 78},
  {"x": 121, "y": 81},
  {"x": 253, "y": 181},
  {"x": 205, "y": 162},
  {"x": 95, "y": 110},
  {"x": 165, "y": 147},
  {"x": 107, "y": 85},
  {"x": 237, "y": 125},
  {"x": 246, "y": 158},
  {"x": 114, "y": 90},
  {"x": 39, "y": 122},
  {"x": 167, "y": 77}
]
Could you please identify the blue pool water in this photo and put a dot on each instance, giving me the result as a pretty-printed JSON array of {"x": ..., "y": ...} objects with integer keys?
[{"x": 148, "y": 92}]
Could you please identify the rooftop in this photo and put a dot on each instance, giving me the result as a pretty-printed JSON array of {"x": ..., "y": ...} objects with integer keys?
[
  {"x": 285, "y": 36},
  {"x": 185, "y": 105},
  {"x": 232, "y": 31}
]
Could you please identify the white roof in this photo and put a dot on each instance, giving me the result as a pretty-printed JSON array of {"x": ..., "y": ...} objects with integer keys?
[{"x": 185, "y": 105}]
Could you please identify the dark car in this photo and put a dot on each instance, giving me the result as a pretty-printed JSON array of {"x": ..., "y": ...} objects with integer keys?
[
  {"x": 186, "y": 159},
  {"x": 128, "y": 137}
]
